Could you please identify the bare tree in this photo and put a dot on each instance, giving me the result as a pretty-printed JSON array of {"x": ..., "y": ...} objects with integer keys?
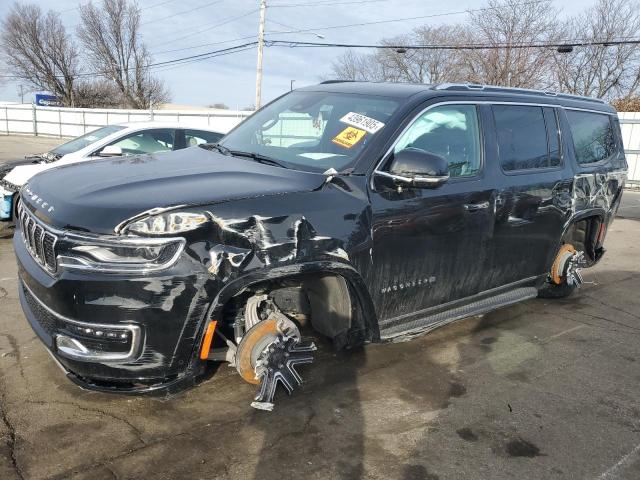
[
  {"x": 353, "y": 66},
  {"x": 96, "y": 93},
  {"x": 503, "y": 26},
  {"x": 609, "y": 70},
  {"x": 111, "y": 38},
  {"x": 38, "y": 50},
  {"x": 406, "y": 65}
]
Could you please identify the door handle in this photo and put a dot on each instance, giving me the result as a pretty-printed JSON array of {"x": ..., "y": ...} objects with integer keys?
[{"x": 474, "y": 207}]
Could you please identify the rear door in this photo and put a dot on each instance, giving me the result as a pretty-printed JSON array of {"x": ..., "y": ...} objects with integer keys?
[
  {"x": 429, "y": 244},
  {"x": 533, "y": 197}
]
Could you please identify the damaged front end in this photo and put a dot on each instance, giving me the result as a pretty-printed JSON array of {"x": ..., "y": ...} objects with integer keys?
[{"x": 145, "y": 310}]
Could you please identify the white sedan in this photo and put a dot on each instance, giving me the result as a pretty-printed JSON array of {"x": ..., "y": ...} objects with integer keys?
[{"x": 113, "y": 140}]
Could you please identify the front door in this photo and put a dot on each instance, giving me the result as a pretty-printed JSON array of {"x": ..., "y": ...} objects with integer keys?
[{"x": 429, "y": 245}]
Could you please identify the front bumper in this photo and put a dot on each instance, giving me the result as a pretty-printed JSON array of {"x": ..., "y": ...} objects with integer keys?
[{"x": 162, "y": 314}]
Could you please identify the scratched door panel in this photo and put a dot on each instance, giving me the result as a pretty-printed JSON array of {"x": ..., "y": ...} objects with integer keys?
[{"x": 428, "y": 247}]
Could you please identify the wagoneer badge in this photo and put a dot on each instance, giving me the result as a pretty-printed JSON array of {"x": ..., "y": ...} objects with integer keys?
[{"x": 39, "y": 201}]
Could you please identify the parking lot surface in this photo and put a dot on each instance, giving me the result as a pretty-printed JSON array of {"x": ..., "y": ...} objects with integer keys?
[{"x": 544, "y": 389}]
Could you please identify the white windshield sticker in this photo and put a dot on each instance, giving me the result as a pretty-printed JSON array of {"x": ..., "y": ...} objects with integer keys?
[
  {"x": 371, "y": 125},
  {"x": 319, "y": 155}
]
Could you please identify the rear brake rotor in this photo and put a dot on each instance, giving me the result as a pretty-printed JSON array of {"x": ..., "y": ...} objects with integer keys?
[
  {"x": 567, "y": 266},
  {"x": 558, "y": 269}
]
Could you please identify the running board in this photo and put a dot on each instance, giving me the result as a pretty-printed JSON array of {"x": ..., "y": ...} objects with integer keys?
[{"x": 431, "y": 322}]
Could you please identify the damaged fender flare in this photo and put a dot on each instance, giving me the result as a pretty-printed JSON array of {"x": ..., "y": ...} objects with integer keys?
[
  {"x": 592, "y": 213},
  {"x": 350, "y": 275}
]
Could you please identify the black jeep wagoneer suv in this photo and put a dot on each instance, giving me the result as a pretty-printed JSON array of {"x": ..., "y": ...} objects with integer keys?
[{"x": 362, "y": 212}]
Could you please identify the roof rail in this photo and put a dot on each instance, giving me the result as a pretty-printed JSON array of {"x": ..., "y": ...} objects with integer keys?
[
  {"x": 327, "y": 82},
  {"x": 521, "y": 91}
]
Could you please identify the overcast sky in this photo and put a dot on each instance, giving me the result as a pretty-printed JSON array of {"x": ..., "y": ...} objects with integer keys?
[{"x": 178, "y": 25}]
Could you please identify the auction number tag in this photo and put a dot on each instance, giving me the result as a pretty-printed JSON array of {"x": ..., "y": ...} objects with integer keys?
[
  {"x": 358, "y": 120},
  {"x": 349, "y": 137}
]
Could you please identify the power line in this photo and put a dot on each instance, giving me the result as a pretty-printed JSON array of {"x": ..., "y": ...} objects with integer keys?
[
  {"x": 311, "y": 30},
  {"x": 224, "y": 22},
  {"x": 203, "y": 56},
  {"x": 222, "y": 42},
  {"x": 322, "y": 4},
  {"x": 199, "y": 7},
  {"x": 404, "y": 19},
  {"x": 570, "y": 43},
  {"x": 178, "y": 65},
  {"x": 159, "y": 4}
]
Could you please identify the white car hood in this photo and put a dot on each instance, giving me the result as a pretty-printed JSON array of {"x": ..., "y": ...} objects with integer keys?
[{"x": 22, "y": 173}]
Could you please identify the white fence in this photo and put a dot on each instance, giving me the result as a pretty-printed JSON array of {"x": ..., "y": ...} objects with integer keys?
[
  {"x": 16, "y": 119},
  {"x": 630, "y": 125},
  {"x": 71, "y": 122}
]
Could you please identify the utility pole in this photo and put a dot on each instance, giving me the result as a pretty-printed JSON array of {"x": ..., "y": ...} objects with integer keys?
[
  {"x": 21, "y": 94},
  {"x": 291, "y": 85},
  {"x": 263, "y": 8}
]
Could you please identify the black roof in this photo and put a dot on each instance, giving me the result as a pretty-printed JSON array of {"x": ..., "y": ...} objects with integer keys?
[{"x": 494, "y": 93}]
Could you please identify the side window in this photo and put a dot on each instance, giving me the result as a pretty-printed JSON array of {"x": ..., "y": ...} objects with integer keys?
[
  {"x": 523, "y": 142},
  {"x": 146, "y": 141},
  {"x": 198, "y": 137},
  {"x": 451, "y": 131},
  {"x": 593, "y": 136}
]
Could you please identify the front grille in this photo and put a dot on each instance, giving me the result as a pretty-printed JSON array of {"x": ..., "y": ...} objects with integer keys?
[
  {"x": 44, "y": 317},
  {"x": 40, "y": 242}
]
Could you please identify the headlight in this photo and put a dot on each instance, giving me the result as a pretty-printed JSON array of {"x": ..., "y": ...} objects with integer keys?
[
  {"x": 119, "y": 254},
  {"x": 166, "y": 223}
]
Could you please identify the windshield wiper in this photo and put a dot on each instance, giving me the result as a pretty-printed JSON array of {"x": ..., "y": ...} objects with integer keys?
[
  {"x": 221, "y": 148},
  {"x": 257, "y": 157}
]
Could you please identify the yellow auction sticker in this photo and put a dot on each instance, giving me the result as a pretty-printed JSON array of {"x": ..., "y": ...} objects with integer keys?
[{"x": 348, "y": 137}]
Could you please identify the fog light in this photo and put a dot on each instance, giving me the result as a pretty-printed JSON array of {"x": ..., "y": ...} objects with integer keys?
[{"x": 94, "y": 332}]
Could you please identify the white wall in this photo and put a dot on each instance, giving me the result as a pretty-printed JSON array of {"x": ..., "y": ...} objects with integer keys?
[
  {"x": 71, "y": 122},
  {"x": 630, "y": 125}
]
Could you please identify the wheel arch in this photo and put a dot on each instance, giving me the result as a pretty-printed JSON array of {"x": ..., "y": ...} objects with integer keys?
[
  {"x": 583, "y": 230},
  {"x": 363, "y": 321}
]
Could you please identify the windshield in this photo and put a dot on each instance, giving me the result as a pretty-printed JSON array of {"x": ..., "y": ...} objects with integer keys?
[
  {"x": 85, "y": 140},
  {"x": 312, "y": 131}
]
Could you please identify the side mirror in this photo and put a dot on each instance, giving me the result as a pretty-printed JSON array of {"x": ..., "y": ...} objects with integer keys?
[
  {"x": 413, "y": 167},
  {"x": 110, "y": 151}
]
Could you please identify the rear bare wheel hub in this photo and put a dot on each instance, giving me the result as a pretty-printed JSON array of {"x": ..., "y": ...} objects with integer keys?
[{"x": 567, "y": 266}]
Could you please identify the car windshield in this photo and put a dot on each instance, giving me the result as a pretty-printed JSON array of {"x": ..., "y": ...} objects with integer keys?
[
  {"x": 312, "y": 131},
  {"x": 85, "y": 140}
]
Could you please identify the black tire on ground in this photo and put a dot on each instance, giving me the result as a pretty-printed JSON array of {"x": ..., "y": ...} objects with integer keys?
[
  {"x": 551, "y": 290},
  {"x": 7, "y": 229}
]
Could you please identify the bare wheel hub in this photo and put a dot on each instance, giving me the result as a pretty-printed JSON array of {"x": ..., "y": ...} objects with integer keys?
[
  {"x": 268, "y": 354},
  {"x": 567, "y": 266}
]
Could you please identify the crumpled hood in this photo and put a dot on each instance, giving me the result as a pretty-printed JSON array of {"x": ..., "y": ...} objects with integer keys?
[
  {"x": 7, "y": 166},
  {"x": 98, "y": 195}
]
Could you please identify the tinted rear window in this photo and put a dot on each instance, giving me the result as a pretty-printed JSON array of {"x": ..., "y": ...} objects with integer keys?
[
  {"x": 593, "y": 136},
  {"x": 522, "y": 137}
]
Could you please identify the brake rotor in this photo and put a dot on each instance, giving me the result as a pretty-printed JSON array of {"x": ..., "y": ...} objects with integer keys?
[
  {"x": 257, "y": 340},
  {"x": 253, "y": 343},
  {"x": 559, "y": 267}
]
